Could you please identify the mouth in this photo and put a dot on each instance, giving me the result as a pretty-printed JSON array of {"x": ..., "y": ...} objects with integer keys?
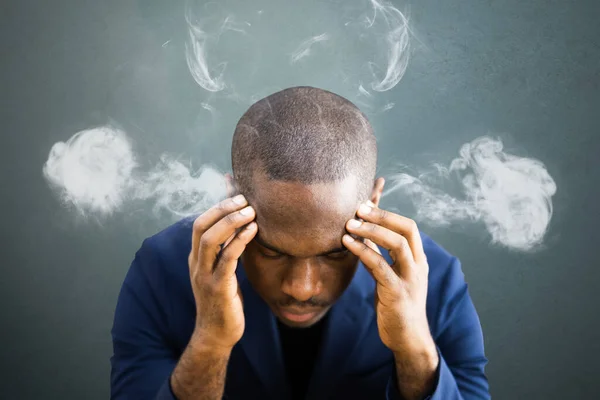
[{"x": 298, "y": 315}]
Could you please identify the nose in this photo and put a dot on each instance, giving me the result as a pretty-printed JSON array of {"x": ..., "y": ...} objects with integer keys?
[{"x": 302, "y": 281}]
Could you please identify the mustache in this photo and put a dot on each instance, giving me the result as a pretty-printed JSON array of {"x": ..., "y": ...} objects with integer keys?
[{"x": 310, "y": 303}]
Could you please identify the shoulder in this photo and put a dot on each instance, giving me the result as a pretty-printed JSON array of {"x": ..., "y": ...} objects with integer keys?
[
  {"x": 437, "y": 256},
  {"x": 446, "y": 283},
  {"x": 173, "y": 240},
  {"x": 444, "y": 267},
  {"x": 162, "y": 258}
]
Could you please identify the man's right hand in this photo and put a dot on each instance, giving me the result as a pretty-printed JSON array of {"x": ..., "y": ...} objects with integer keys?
[{"x": 220, "y": 317}]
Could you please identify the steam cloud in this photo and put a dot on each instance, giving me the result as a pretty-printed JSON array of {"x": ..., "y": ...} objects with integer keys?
[
  {"x": 511, "y": 195},
  {"x": 398, "y": 45},
  {"x": 379, "y": 27},
  {"x": 197, "y": 48},
  {"x": 304, "y": 49},
  {"x": 92, "y": 169},
  {"x": 95, "y": 172}
]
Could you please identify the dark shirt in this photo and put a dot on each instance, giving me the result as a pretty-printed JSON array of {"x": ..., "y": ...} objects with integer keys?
[{"x": 300, "y": 348}]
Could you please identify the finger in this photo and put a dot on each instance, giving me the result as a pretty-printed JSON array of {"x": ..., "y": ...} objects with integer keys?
[
  {"x": 377, "y": 265},
  {"x": 211, "y": 216},
  {"x": 216, "y": 235},
  {"x": 397, "y": 244},
  {"x": 396, "y": 223},
  {"x": 230, "y": 238},
  {"x": 372, "y": 246},
  {"x": 228, "y": 261}
]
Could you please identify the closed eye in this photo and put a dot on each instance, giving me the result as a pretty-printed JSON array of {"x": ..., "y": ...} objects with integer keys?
[
  {"x": 338, "y": 255},
  {"x": 273, "y": 256}
]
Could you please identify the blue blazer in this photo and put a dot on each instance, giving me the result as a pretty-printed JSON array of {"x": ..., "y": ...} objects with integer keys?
[{"x": 156, "y": 313}]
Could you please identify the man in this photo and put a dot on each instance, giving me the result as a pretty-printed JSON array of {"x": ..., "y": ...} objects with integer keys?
[{"x": 299, "y": 287}]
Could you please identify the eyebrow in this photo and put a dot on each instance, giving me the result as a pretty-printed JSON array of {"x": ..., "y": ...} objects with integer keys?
[{"x": 276, "y": 250}]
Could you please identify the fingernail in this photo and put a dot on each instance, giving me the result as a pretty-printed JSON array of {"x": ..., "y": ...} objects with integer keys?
[
  {"x": 348, "y": 238},
  {"x": 239, "y": 199},
  {"x": 246, "y": 210},
  {"x": 369, "y": 202},
  {"x": 354, "y": 223},
  {"x": 364, "y": 209}
]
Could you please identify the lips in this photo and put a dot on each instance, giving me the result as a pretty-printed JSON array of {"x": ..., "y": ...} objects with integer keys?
[{"x": 298, "y": 315}]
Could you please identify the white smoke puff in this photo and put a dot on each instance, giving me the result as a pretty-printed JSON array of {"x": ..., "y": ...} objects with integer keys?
[
  {"x": 181, "y": 192},
  {"x": 196, "y": 57},
  {"x": 364, "y": 92},
  {"x": 372, "y": 47},
  {"x": 304, "y": 49},
  {"x": 433, "y": 205},
  {"x": 92, "y": 170},
  {"x": 202, "y": 38},
  {"x": 397, "y": 45},
  {"x": 209, "y": 108},
  {"x": 511, "y": 195}
]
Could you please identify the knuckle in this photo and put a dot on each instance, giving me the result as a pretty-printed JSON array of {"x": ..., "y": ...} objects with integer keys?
[
  {"x": 383, "y": 215},
  {"x": 229, "y": 219},
  {"x": 210, "y": 289},
  {"x": 223, "y": 205},
  {"x": 372, "y": 227},
  {"x": 199, "y": 223},
  {"x": 403, "y": 286},
  {"x": 412, "y": 226},
  {"x": 199, "y": 281},
  {"x": 388, "y": 278},
  {"x": 226, "y": 256},
  {"x": 205, "y": 242},
  {"x": 403, "y": 240},
  {"x": 364, "y": 248},
  {"x": 195, "y": 275},
  {"x": 382, "y": 264},
  {"x": 403, "y": 243}
]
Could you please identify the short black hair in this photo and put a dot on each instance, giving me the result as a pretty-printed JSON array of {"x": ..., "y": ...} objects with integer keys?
[{"x": 304, "y": 135}]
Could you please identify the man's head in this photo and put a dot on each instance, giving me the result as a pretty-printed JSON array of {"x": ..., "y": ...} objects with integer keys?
[{"x": 305, "y": 159}]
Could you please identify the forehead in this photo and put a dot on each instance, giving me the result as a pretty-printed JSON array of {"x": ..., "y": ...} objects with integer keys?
[{"x": 304, "y": 219}]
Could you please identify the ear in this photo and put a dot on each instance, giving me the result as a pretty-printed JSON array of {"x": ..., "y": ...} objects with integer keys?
[
  {"x": 377, "y": 190},
  {"x": 230, "y": 184}
]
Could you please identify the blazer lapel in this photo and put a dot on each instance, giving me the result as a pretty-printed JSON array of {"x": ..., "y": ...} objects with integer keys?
[
  {"x": 347, "y": 323},
  {"x": 261, "y": 341}
]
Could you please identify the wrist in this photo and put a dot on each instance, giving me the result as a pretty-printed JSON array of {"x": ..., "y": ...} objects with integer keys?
[
  {"x": 206, "y": 344},
  {"x": 424, "y": 358},
  {"x": 416, "y": 373}
]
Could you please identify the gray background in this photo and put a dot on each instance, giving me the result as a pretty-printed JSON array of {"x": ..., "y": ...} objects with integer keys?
[{"x": 527, "y": 71}]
